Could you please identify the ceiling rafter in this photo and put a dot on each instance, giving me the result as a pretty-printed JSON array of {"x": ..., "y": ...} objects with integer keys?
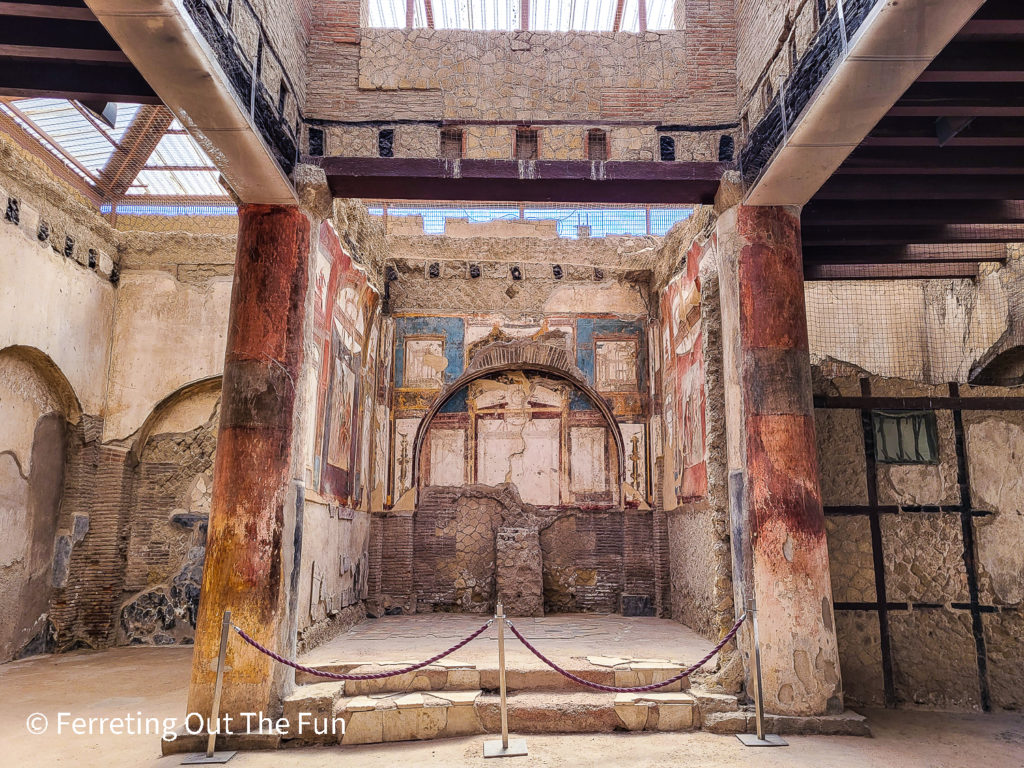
[{"x": 134, "y": 150}]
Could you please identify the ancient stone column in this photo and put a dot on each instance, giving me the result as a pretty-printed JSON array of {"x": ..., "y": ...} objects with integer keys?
[
  {"x": 778, "y": 527},
  {"x": 255, "y": 512}
]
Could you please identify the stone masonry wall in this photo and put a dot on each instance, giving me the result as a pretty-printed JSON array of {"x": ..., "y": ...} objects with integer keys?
[
  {"x": 926, "y": 563},
  {"x": 628, "y": 84}
]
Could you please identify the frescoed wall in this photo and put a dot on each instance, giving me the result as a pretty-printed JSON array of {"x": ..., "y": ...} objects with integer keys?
[
  {"x": 682, "y": 370},
  {"x": 538, "y": 432}
]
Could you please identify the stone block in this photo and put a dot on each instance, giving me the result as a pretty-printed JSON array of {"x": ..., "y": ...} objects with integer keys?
[{"x": 363, "y": 726}]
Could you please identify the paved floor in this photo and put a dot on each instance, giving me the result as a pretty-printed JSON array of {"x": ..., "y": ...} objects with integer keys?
[
  {"x": 154, "y": 681},
  {"x": 561, "y": 637}
]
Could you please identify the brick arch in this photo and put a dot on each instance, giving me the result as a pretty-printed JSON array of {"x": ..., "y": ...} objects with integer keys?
[{"x": 536, "y": 356}]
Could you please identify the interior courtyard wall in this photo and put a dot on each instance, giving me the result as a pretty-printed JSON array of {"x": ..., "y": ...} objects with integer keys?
[
  {"x": 636, "y": 87},
  {"x": 595, "y": 314},
  {"x": 690, "y": 422},
  {"x": 916, "y": 550}
]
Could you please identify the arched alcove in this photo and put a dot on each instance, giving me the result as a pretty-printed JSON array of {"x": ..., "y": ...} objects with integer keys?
[
  {"x": 172, "y": 481},
  {"x": 38, "y": 407},
  {"x": 529, "y": 356}
]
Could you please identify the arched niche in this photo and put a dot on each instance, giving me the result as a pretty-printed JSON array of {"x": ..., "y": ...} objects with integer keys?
[
  {"x": 210, "y": 385},
  {"x": 38, "y": 411},
  {"x": 525, "y": 356}
]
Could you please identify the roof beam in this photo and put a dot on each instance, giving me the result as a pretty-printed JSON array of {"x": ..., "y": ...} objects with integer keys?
[
  {"x": 909, "y": 187},
  {"x": 903, "y": 254},
  {"x": 849, "y": 212},
  {"x": 46, "y": 11},
  {"x": 510, "y": 180},
  {"x": 428, "y": 6},
  {"x": 889, "y": 271},
  {"x": 891, "y": 48},
  {"x": 832, "y": 235},
  {"x": 134, "y": 150},
  {"x": 60, "y": 54},
  {"x": 935, "y": 160}
]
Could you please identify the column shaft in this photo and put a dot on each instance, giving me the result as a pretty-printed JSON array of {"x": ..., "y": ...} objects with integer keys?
[
  {"x": 250, "y": 542},
  {"x": 775, "y": 493}
]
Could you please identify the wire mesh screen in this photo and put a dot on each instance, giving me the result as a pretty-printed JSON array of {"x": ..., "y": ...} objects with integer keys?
[
  {"x": 570, "y": 220},
  {"x": 928, "y": 329}
]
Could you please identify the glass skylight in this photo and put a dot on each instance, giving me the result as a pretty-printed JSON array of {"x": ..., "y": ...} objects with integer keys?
[{"x": 505, "y": 15}]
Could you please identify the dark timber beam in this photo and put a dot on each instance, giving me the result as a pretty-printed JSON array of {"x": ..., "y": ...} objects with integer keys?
[
  {"x": 134, "y": 150},
  {"x": 578, "y": 181},
  {"x": 903, "y": 254},
  {"x": 900, "y": 187},
  {"x": 847, "y": 212},
  {"x": 908, "y": 234},
  {"x": 84, "y": 81},
  {"x": 935, "y": 160},
  {"x": 888, "y": 271}
]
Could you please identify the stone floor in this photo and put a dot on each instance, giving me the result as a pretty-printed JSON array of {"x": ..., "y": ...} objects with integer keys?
[
  {"x": 561, "y": 637},
  {"x": 154, "y": 681}
]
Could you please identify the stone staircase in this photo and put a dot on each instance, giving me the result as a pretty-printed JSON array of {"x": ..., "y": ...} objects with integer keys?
[{"x": 448, "y": 699}]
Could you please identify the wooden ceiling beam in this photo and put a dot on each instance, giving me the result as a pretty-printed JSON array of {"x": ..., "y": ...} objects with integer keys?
[
  {"x": 904, "y": 254},
  {"x": 906, "y": 234},
  {"x": 848, "y": 212},
  {"x": 889, "y": 271}
]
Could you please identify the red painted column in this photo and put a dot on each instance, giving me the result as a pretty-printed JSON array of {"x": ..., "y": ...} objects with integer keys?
[
  {"x": 780, "y": 552},
  {"x": 250, "y": 543}
]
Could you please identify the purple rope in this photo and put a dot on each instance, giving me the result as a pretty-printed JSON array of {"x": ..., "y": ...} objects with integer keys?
[
  {"x": 377, "y": 676},
  {"x": 639, "y": 688}
]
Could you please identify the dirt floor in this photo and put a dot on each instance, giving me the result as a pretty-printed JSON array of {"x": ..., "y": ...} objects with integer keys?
[{"x": 153, "y": 682}]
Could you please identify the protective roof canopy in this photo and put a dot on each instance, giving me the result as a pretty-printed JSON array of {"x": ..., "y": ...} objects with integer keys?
[{"x": 505, "y": 15}]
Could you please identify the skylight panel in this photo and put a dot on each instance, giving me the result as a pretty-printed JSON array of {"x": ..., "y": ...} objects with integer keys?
[
  {"x": 387, "y": 13},
  {"x": 661, "y": 14}
]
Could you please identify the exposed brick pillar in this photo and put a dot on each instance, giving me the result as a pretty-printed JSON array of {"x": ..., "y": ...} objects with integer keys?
[
  {"x": 778, "y": 527},
  {"x": 255, "y": 511}
]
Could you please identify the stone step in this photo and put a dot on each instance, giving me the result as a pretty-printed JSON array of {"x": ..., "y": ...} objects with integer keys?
[
  {"x": 444, "y": 714},
  {"x": 450, "y": 676}
]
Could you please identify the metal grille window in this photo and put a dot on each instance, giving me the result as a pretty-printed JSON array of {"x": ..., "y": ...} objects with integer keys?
[
  {"x": 451, "y": 143},
  {"x": 667, "y": 146},
  {"x": 906, "y": 437},
  {"x": 386, "y": 142},
  {"x": 597, "y": 145},
  {"x": 526, "y": 144}
]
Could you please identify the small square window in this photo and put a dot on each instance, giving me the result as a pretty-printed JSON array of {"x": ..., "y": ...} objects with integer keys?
[
  {"x": 451, "y": 143},
  {"x": 526, "y": 144},
  {"x": 906, "y": 437},
  {"x": 597, "y": 145}
]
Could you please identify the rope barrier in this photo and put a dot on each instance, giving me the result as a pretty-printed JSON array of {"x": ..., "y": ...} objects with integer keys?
[
  {"x": 376, "y": 676},
  {"x": 636, "y": 689}
]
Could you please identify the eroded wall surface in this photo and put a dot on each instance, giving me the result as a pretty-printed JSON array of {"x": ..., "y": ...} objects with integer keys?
[{"x": 927, "y": 571}]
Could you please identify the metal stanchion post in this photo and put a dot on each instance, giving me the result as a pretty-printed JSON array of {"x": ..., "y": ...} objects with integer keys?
[
  {"x": 760, "y": 739},
  {"x": 213, "y": 724},
  {"x": 505, "y": 747}
]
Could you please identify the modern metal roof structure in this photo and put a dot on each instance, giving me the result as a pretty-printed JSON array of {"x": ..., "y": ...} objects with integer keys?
[
  {"x": 146, "y": 156},
  {"x": 508, "y": 15}
]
